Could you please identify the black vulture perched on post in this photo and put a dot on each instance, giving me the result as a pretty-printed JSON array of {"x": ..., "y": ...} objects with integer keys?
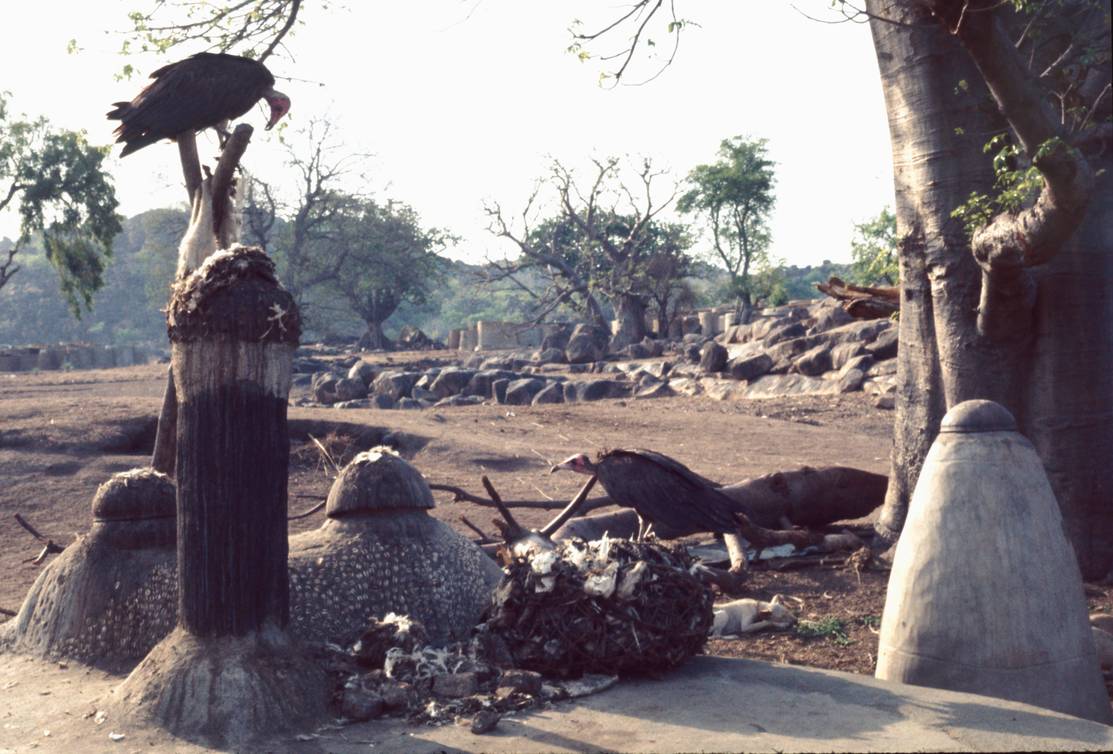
[
  {"x": 667, "y": 494},
  {"x": 200, "y": 92}
]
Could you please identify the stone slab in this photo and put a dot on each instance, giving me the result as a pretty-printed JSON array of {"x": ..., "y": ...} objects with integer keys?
[{"x": 711, "y": 704}]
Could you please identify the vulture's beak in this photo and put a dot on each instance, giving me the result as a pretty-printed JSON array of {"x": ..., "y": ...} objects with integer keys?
[{"x": 558, "y": 467}]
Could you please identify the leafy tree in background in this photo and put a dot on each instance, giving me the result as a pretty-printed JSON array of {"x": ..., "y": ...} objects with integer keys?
[
  {"x": 873, "y": 250},
  {"x": 735, "y": 196},
  {"x": 384, "y": 257},
  {"x": 604, "y": 233},
  {"x": 663, "y": 273},
  {"x": 553, "y": 253},
  {"x": 65, "y": 202}
]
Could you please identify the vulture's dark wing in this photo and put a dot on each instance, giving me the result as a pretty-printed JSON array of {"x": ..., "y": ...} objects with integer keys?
[
  {"x": 196, "y": 93},
  {"x": 665, "y": 492},
  {"x": 671, "y": 463}
]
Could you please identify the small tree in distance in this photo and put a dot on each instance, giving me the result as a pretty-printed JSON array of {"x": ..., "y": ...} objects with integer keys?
[
  {"x": 735, "y": 196},
  {"x": 873, "y": 250},
  {"x": 384, "y": 257}
]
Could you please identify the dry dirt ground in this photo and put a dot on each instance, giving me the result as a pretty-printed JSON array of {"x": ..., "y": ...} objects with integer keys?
[{"x": 63, "y": 433}]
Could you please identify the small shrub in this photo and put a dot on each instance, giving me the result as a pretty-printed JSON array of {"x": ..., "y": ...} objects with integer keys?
[{"x": 828, "y": 627}]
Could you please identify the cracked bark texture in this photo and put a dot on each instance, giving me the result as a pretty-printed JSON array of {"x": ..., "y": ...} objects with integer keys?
[{"x": 1021, "y": 315}]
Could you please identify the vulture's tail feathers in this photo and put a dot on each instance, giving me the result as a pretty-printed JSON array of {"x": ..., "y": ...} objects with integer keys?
[
  {"x": 137, "y": 142},
  {"x": 119, "y": 111}
]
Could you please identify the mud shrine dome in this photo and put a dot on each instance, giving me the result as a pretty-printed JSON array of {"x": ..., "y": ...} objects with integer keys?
[
  {"x": 379, "y": 551},
  {"x": 112, "y": 594}
]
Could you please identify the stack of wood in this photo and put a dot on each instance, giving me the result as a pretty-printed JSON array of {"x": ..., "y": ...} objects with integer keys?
[{"x": 863, "y": 301}]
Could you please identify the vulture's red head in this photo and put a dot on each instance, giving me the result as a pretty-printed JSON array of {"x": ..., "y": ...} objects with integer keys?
[
  {"x": 280, "y": 105},
  {"x": 580, "y": 463}
]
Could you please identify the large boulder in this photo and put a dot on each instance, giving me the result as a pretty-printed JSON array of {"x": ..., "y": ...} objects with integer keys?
[
  {"x": 850, "y": 380},
  {"x": 863, "y": 331},
  {"x": 595, "y": 390},
  {"x": 520, "y": 392},
  {"x": 499, "y": 388},
  {"x": 582, "y": 349},
  {"x": 413, "y": 339},
  {"x": 348, "y": 389},
  {"x": 558, "y": 338},
  {"x": 712, "y": 357},
  {"x": 841, "y": 353},
  {"x": 654, "y": 348},
  {"x": 419, "y": 393},
  {"x": 885, "y": 345},
  {"x": 551, "y": 393},
  {"x": 548, "y": 356},
  {"x": 784, "y": 332},
  {"x": 395, "y": 385},
  {"x": 749, "y": 367},
  {"x": 451, "y": 381},
  {"x": 637, "y": 351},
  {"x": 784, "y": 353},
  {"x": 362, "y": 371},
  {"x": 827, "y": 315},
  {"x": 656, "y": 390},
  {"x": 777, "y": 385},
  {"x": 458, "y": 400},
  {"x": 323, "y": 387},
  {"x": 481, "y": 382},
  {"x": 735, "y": 334},
  {"x": 814, "y": 361},
  {"x": 862, "y": 363}
]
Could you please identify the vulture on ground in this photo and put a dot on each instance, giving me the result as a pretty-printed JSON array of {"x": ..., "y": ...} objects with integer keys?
[
  {"x": 667, "y": 494},
  {"x": 199, "y": 92}
]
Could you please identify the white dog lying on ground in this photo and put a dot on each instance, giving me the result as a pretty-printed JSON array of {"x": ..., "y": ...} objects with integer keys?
[{"x": 747, "y": 615}]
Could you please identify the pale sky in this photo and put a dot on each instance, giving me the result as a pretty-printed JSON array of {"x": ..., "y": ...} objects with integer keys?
[{"x": 462, "y": 101}]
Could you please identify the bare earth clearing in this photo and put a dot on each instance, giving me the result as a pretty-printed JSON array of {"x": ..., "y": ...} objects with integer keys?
[{"x": 64, "y": 433}]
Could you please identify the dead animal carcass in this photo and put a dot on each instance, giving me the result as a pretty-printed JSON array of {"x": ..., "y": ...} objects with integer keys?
[{"x": 745, "y": 616}]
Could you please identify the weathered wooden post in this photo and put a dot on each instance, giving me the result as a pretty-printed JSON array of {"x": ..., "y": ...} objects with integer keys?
[{"x": 229, "y": 672}]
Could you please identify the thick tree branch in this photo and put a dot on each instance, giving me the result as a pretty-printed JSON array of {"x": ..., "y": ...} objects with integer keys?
[
  {"x": 191, "y": 163},
  {"x": 223, "y": 206},
  {"x": 295, "y": 5},
  {"x": 1013, "y": 242}
]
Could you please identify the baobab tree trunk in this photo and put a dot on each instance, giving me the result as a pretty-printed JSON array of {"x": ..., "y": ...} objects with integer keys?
[
  {"x": 374, "y": 338},
  {"x": 630, "y": 313},
  {"x": 1032, "y": 335}
]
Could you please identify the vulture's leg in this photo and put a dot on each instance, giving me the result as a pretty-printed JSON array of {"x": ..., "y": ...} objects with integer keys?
[
  {"x": 222, "y": 133},
  {"x": 731, "y": 580},
  {"x": 648, "y": 530},
  {"x": 643, "y": 529},
  {"x": 736, "y": 548}
]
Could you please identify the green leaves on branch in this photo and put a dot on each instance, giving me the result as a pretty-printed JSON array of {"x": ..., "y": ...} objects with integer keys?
[
  {"x": 1017, "y": 185},
  {"x": 252, "y": 28},
  {"x": 64, "y": 197}
]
